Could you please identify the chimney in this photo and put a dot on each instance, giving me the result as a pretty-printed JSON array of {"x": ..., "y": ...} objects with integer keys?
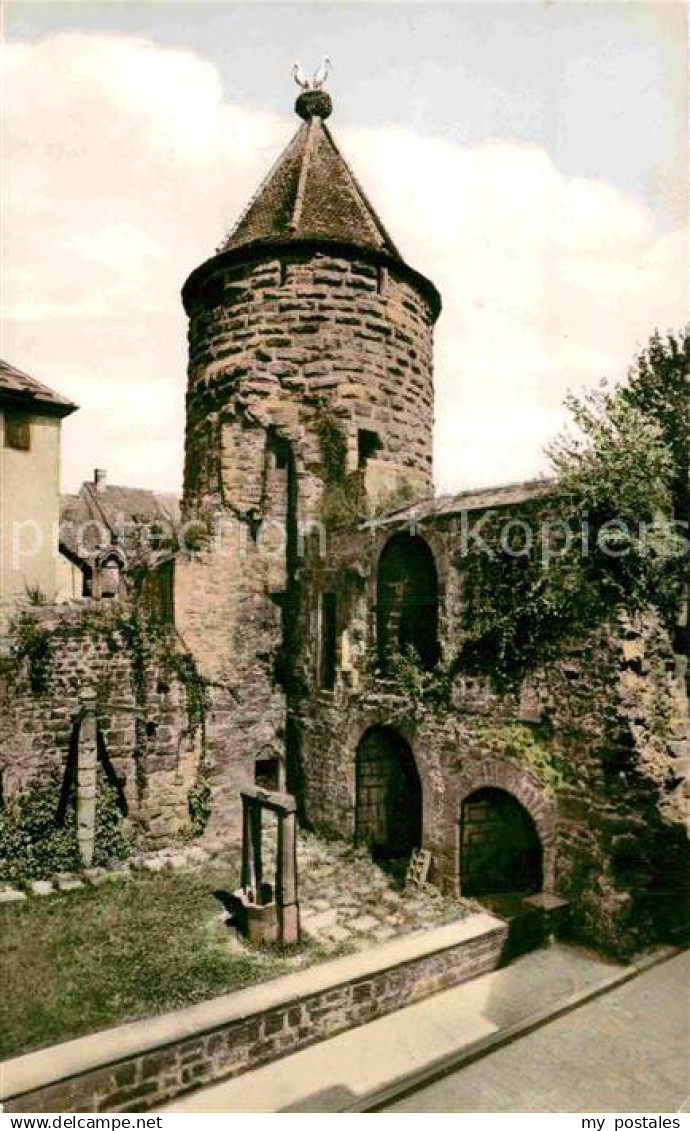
[{"x": 99, "y": 478}]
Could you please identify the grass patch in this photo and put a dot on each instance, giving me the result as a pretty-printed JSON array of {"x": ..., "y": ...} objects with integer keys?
[{"x": 95, "y": 957}]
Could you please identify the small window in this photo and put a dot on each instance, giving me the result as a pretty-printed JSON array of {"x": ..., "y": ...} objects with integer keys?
[
  {"x": 368, "y": 443},
  {"x": 327, "y": 653},
  {"x": 279, "y": 448},
  {"x": 18, "y": 431},
  {"x": 267, "y": 773},
  {"x": 281, "y": 456}
]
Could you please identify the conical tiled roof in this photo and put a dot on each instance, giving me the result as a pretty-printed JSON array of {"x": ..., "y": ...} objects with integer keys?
[
  {"x": 309, "y": 199},
  {"x": 311, "y": 194}
]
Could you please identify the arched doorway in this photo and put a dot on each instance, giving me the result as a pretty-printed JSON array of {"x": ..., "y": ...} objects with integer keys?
[
  {"x": 388, "y": 814},
  {"x": 500, "y": 849},
  {"x": 407, "y": 600}
]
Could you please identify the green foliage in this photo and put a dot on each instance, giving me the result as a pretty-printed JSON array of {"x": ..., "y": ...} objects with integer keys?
[
  {"x": 34, "y": 846},
  {"x": 342, "y": 501},
  {"x": 32, "y": 645},
  {"x": 183, "y": 667},
  {"x": 199, "y": 804},
  {"x": 333, "y": 445},
  {"x": 659, "y": 387},
  {"x": 530, "y": 746},
  {"x": 602, "y": 541},
  {"x": 419, "y": 690},
  {"x": 342, "y": 504}
]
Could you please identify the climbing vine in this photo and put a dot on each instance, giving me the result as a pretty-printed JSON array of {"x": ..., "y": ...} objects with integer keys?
[
  {"x": 135, "y": 630},
  {"x": 530, "y": 745},
  {"x": 343, "y": 501},
  {"x": 36, "y": 843},
  {"x": 32, "y": 645},
  {"x": 607, "y": 537},
  {"x": 199, "y": 803}
]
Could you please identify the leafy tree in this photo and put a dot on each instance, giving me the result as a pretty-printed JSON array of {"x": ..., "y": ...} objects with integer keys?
[
  {"x": 608, "y": 535},
  {"x": 659, "y": 386}
]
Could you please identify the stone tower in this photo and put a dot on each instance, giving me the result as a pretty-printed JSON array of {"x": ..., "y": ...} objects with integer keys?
[{"x": 306, "y": 329}]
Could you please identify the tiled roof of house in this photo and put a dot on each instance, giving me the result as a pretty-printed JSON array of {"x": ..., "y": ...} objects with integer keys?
[
  {"x": 21, "y": 391},
  {"x": 113, "y": 515},
  {"x": 311, "y": 193}
]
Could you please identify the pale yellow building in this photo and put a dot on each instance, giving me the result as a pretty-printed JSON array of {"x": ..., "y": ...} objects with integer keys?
[{"x": 31, "y": 415}]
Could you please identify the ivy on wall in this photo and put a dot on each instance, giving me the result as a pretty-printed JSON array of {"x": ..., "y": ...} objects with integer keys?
[
  {"x": 343, "y": 501},
  {"x": 531, "y": 746},
  {"x": 199, "y": 803},
  {"x": 36, "y": 844},
  {"x": 151, "y": 648},
  {"x": 32, "y": 646}
]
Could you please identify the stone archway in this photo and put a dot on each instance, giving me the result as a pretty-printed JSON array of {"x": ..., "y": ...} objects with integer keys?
[
  {"x": 500, "y": 850},
  {"x": 388, "y": 813},
  {"x": 511, "y": 794}
]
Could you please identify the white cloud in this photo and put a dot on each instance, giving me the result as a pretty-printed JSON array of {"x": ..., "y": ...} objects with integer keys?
[{"x": 126, "y": 165}]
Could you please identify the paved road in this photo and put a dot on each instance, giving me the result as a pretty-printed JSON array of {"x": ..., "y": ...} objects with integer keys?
[{"x": 627, "y": 1051}]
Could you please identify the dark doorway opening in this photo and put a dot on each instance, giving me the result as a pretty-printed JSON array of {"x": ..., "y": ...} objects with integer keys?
[
  {"x": 407, "y": 600},
  {"x": 500, "y": 850},
  {"x": 389, "y": 795}
]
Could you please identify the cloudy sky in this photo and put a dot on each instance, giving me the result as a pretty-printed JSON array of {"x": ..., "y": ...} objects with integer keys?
[{"x": 529, "y": 157}]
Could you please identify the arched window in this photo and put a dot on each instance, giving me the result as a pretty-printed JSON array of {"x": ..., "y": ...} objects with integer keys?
[{"x": 407, "y": 600}]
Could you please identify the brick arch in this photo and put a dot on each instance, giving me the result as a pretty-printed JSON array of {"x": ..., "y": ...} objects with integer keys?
[
  {"x": 389, "y": 797},
  {"x": 521, "y": 784}
]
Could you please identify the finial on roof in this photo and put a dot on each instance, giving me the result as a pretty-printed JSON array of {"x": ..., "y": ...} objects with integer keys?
[{"x": 314, "y": 101}]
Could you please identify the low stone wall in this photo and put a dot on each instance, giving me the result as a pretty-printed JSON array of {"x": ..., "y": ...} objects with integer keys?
[{"x": 147, "y": 1063}]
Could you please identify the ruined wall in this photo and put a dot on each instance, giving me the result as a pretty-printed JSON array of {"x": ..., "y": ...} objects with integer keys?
[
  {"x": 594, "y": 745},
  {"x": 152, "y": 718}
]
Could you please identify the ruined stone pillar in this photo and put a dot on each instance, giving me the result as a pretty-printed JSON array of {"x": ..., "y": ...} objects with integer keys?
[{"x": 87, "y": 760}]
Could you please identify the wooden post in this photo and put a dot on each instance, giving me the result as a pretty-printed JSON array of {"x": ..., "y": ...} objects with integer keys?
[
  {"x": 286, "y": 878},
  {"x": 247, "y": 860},
  {"x": 255, "y": 817}
]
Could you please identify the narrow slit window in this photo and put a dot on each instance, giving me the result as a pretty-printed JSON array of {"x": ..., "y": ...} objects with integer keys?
[
  {"x": 368, "y": 443},
  {"x": 327, "y": 656}
]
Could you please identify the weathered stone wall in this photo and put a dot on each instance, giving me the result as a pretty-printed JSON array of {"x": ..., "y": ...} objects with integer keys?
[
  {"x": 271, "y": 341},
  {"x": 594, "y": 745},
  {"x": 150, "y": 725}
]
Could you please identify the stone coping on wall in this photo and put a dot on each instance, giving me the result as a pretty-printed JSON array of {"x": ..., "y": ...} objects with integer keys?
[{"x": 39, "y": 1070}]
